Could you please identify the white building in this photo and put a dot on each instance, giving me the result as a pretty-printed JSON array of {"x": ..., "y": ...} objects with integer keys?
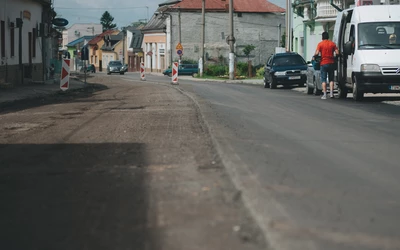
[
  {"x": 24, "y": 40},
  {"x": 78, "y": 30}
]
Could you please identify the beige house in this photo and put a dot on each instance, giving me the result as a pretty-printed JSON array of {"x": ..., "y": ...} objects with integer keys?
[{"x": 95, "y": 52}]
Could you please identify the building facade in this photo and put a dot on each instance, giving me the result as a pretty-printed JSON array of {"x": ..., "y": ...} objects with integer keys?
[
  {"x": 78, "y": 30},
  {"x": 25, "y": 40},
  {"x": 174, "y": 22}
]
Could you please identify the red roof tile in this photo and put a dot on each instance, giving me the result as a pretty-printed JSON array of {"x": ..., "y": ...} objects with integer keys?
[
  {"x": 99, "y": 37},
  {"x": 262, "y": 6}
]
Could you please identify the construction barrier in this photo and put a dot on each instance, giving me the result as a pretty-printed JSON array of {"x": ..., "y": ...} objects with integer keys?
[
  {"x": 64, "y": 83},
  {"x": 142, "y": 76},
  {"x": 175, "y": 73}
]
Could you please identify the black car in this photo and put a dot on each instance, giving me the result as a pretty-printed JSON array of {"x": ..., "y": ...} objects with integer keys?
[{"x": 287, "y": 68}]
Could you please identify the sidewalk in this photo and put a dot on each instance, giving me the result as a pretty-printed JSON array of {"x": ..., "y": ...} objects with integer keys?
[
  {"x": 20, "y": 92},
  {"x": 253, "y": 81}
]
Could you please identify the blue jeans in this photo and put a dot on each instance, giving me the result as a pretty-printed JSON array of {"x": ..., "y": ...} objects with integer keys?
[{"x": 327, "y": 70}]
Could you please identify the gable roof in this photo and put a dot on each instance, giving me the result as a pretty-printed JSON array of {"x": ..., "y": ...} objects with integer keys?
[
  {"x": 137, "y": 39},
  {"x": 79, "y": 40},
  {"x": 98, "y": 38},
  {"x": 252, "y": 6}
]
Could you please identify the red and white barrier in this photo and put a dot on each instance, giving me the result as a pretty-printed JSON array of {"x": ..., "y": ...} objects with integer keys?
[
  {"x": 175, "y": 73},
  {"x": 142, "y": 76},
  {"x": 64, "y": 83}
]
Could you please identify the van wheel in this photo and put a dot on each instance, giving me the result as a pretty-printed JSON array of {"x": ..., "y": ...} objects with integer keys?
[
  {"x": 357, "y": 94},
  {"x": 272, "y": 84},
  {"x": 342, "y": 92}
]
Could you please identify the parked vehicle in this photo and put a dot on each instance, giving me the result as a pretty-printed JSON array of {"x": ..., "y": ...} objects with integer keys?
[
  {"x": 115, "y": 67},
  {"x": 314, "y": 84},
  {"x": 370, "y": 61},
  {"x": 285, "y": 69},
  {"x": 184, "y": 69}
]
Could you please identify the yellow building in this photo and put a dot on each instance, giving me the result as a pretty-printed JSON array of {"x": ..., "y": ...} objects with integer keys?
[{"x": 95, "y": 52}]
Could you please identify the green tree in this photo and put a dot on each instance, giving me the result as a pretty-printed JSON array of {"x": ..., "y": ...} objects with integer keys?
[
  {"x": 283, "y": 40},
  {"x": 247, "y": 50},
  {"x": 106, "y": 21}
]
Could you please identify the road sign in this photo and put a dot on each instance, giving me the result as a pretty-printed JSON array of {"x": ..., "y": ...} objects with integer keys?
[
  {"x": 179, "y": 52},
  {"x": 64, "y": 83},
  {"x": 179, "y": 46}
]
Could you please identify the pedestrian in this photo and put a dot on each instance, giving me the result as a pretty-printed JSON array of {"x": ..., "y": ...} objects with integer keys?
[{"x": 326, "y": 50}]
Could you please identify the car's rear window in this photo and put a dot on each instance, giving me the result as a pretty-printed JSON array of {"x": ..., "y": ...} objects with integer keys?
[{"x": 288, "y": 60}]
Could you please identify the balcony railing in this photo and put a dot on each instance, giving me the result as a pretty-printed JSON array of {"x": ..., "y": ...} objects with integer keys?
[{"x": 326, "y": 10}]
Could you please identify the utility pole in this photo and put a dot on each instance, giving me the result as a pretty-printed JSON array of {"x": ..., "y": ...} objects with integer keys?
[
  {"x": 231, "y": 42},
  {"x": 203, "y": 35},
  {"x": 288, "y": 25},
  {"x": 179, "y": 31}
]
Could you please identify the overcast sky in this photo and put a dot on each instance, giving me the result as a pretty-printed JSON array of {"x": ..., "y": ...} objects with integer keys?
[{"x": 124, "y": 11}]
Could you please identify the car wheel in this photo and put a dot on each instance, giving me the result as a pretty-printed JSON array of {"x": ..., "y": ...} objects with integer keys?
[
  {"x": 358, "y": 95},
  {"x": 342, "y": 91},
  {"x": 266, "y": 83},
  {"x": 309, "y": 90},
  {"x": 121, "y": 73},
  {"x": 316, "y": 91},
  {"x": 272, "y": 84},
  {"x": 108, "y": 73},
  {"x": 170, "y": 74}
]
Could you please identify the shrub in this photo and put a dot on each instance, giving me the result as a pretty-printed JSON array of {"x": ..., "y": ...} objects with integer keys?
[
  {"x": 241, "y": 69},
  {"x": 260, "y": 72},
  {"x": 216, "y": 70}
]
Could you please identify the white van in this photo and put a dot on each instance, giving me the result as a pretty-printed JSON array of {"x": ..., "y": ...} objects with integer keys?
[{"x": 370, "y": 61}]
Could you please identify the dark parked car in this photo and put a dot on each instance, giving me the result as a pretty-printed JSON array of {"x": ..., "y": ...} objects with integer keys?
[
  {"x": 287, "y": 68},
  {"x": 184, "y": 69},
  {"x": 89, "y": 68},
  {"x": 115, "y": 67}
]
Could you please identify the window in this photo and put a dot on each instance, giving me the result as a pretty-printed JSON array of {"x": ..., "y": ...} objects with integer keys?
[
  {"x": 95, "y": 59},
  {"x": 34, "y": 35},
  {"x": 240, "y": 14},
  {"x": 3, "y": 38},
  {"x": 12, "y": 40}
]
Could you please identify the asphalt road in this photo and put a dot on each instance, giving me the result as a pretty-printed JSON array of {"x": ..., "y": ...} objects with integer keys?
[
  {"x": 316, "y": 174},
  {"x": 122, "y": 165}
]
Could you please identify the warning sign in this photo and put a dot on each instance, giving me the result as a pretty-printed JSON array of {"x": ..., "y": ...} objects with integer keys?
[{"x": 179, "y": 46}]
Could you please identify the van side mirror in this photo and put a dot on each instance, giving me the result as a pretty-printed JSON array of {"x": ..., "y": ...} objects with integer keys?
[{"x": 348, "y": 48}]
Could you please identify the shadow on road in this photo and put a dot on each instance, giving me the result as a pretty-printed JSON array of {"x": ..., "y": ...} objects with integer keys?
[{"x": 75, "y": 196}]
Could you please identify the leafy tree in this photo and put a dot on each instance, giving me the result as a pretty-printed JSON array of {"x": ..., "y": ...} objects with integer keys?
[
  {"x": 247, "y": 50},
  {"x": 107, "y": 21},
  {"x": 283, "y": 40}
]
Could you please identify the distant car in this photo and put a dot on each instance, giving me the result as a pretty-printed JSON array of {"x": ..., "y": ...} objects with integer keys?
[
  {"x": 286, "y": 69},
  {"x": 89, "y": 68},
  {"x": 184, "y": 69},
  {"x": 115, "y": 67}
]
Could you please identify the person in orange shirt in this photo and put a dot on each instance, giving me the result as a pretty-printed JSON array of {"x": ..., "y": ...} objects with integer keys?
[{"x": 327, "y": 49}]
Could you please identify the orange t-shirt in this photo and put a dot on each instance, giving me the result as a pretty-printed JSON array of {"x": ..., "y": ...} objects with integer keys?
[{"x": 327, "y": 48}]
